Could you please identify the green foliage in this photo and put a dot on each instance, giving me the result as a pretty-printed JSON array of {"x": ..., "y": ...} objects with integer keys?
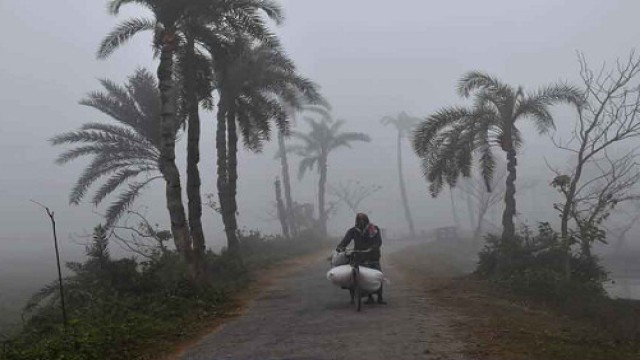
[
  {"x": 128, "y": 309},
  {"x": 533, "y": 265},
  {"x": 259, "y": 250},
  {"x": 532, "y": 268},
  {"x": 449, "y": 140},
  {"x": 260, "y": 83},
  {"x": 121, "y": 153}
]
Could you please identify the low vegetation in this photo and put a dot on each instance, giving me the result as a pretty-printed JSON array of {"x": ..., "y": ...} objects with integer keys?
[
  {"x": 128, "y": 308},
  {"x": 526, "y": 308}
]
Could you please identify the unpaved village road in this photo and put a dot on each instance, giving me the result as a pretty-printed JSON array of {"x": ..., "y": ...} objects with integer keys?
[{"x": 300, "y": 315}]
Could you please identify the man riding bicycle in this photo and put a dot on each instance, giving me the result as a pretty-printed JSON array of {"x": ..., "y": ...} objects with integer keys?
[{"x": 365, "y": 236}]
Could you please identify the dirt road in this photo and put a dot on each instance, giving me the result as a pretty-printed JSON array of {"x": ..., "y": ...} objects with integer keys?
[{"x": 303, "y": 316}]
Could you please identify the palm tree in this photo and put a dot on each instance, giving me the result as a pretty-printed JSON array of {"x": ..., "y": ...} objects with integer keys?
[
  {"x": 315, "y": 147},
  {"x": 448, "y": 139},
  {"x": 121, "y": 152},
  {"x": 255, "y": 81},
  {"x": 196, "y": 74},
  {"x": 286, "y": 181},
  {"x": 206, "y": 24},
  {"x": 322, "y": 107},
  {"x": 404, "y": 124},
  {"x": 164, "y": 23},
  {"x": 177, "y": 25}
]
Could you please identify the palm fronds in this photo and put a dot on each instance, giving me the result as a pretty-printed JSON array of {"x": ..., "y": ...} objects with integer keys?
[
  {"x": 324, "y": 137},
  {"x": 403, "y": 122},
  {"x": 449, "y": 140},
  {"x": 262, "y": 83},
  {"x": 122, "y": 33},
  {"x": 120, "y": 152}
]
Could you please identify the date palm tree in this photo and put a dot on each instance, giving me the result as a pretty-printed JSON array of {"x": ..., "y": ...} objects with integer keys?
[
  {"x": 177, "y": 26},
  {"x": 321, "y": 108},
  {"x": 122, "y": 152},
  {"x": 314, "y": 148},
  {"x": 256, "y": 82},
  {"x": 404, "y": 125},
  {"x": 448, "y": 139},
  {"x": 163, "y": 22}
]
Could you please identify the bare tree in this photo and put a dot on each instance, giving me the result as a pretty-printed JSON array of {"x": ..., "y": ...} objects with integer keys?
[
  {"x": 608, "y": 116},
  {"x": 136, "y": 234},
  {"x": 475, "y": 188},
  {"x": 609, "y": 182},
  {"x": 624, "y": 219},
  {"x": 52, "y": 218},
  {"x": 353, "y": 193}
]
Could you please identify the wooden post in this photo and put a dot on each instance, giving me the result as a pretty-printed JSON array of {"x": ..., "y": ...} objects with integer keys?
[{"x": 55, "y": 244}]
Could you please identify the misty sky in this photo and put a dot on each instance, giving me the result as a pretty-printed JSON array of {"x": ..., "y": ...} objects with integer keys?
[{"x": 372, "y": 58}]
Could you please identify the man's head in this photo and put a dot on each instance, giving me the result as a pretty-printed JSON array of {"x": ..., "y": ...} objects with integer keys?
[{"x": 362, "y": 220}]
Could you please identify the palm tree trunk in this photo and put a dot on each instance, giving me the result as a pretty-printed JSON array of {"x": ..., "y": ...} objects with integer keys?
[
  {"x": 193, "y": 158},
  {"x": 231, "y": 226},
  {"x": 454, "y": 212},
  {"x": 477, "y": 232},
  {"x": 470, "y": 211},
  {"x": 322, "y": 184},
  {"x": 286, "y": 181},
  {"x": 168, "y": 168},
  {"x": 403, "y": 190},
  {"x": 282, "y": 213},
  {"x": 222, "y": 167},
  {"x": 508, "y": 227}
]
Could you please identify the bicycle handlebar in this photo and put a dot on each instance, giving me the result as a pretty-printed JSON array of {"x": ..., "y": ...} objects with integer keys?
[{"x": 350, "y": 251}]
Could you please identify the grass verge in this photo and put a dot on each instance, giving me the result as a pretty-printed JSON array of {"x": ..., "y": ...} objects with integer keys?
[
  {"x": 499, "y": 324},
  {"x": 123, "y": 309}
]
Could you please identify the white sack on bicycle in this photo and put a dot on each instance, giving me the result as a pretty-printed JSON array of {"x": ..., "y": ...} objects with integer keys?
[
  {"x": 340, "y": 275},
  {"x": 339, "y": 258},
  {"x": 370, "y": 279}
]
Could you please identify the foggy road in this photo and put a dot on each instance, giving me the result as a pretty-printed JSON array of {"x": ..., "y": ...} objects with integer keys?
[{"x": 303, "y": 316}]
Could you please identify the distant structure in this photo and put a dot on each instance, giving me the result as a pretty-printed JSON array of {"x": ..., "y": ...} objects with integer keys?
[{"x": 447, "y": 233}]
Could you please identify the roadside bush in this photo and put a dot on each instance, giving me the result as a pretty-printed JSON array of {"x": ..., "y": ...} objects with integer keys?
[
  {"x": 124, "y": 308},
  {"x": 532, "y": 265},
  {"x": 259, "y": 250},
  {"x": 532, "y": 269}
]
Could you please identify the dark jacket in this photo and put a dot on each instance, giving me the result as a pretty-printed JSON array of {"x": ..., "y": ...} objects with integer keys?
[{"x": 363, "y": 240}]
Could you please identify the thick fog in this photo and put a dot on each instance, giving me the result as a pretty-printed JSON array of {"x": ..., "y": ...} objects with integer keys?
[{"x": 371, "y": 58}]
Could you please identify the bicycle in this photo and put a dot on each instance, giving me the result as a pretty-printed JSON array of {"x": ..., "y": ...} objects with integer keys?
[{"x": 356, "y": 292}]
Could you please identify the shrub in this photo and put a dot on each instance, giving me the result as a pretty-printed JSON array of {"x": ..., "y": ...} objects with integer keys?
[
  {"x": 533, "y": 265},
  {"x": 123, "y": 308}
]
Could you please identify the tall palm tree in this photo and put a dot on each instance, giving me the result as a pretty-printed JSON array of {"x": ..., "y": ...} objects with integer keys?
[
  {"x": 286, "y": 180},
  {"x": 315, "y": 147},
  {"x": 448, "y": 139},
  {"x": 321, "y": 107},
  {"x": 177, "y": 25},
  {"x": 121, "y": 152},
  {"x": 195, "y": 74},
  {"x": 206, "y": 24},
  {"x": 255, "y": 81},
  {"x": 404, "y": 125},
  {"x": 164, "y": 21}
]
